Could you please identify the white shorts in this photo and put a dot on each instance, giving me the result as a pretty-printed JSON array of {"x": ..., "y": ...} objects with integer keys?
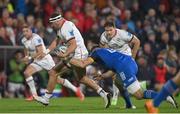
[
  {"x": 134, "y": 87},
  {"x": 80, "y": 54},
  {"x": 46, "y": 63},
  {"x": 13, "y": 87}
]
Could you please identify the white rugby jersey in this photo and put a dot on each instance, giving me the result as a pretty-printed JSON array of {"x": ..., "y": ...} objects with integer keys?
[
  {"x": 69, "y": 31},
  {"x": 31, "y": 44},
  {"x": 119, "y": 42}
]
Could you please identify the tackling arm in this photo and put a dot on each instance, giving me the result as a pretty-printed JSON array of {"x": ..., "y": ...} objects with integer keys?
[{"x": 82, "y": 63}]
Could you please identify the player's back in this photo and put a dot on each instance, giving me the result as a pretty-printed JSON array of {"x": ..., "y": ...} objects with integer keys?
[
  {"x": 109, "y": 57},
  {"x": 114, "y": 60}
]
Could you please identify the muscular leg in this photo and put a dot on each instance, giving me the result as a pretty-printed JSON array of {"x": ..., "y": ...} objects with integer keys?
[
  {"x": 81, "y": 75},
  {"x": 29, "y": 71}
]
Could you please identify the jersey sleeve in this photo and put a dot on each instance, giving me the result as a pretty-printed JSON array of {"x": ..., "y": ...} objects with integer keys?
[
  {"x": 94, "y": 55},
  {"x": 103, "y": 39},
  {"x": 126, "y": 36},
  {"x": 38, "y": 41},
  {"x": 68, "y": 32}
]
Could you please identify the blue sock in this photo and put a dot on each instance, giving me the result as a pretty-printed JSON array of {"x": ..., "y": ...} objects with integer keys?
[
  {"x": 149, "y": 94},
  {"x": 167, "y": 90},
  {"x": 126, "y": 97}
]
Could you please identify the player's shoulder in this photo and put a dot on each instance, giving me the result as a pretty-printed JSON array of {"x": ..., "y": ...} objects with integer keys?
[
  {"x": 35, "y": 36},
  {"x": 121, "y": 31},
  {"x": 67, "y": 24},
  {"x": 124, "y": 33},
  {"x": 103, "y": 36}
]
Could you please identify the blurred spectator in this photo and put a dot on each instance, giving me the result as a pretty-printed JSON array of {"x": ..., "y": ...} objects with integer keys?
[
  {"x": 171, "y": 62},
  {"x": 145, "y": 71},
  {"x": 78, "y": 14},
  {"x": 10, "y": 31},
  {"x": 164, "y": 44},
  {"x": 15, "y": 79},
  {"x": 49, "y": 7},
  {"x": 21, "y": 7},
  {"x": 128, "y": 20},
  {"x": 4, "y": 39},
  {"x": 35, "y": 8},
  {"x": 148, "y": 52},
  {"x": 160, "y": 72},
  {"x": 3, "y": 81}
]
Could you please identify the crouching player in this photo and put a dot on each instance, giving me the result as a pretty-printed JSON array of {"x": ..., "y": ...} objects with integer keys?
[{"x": 124, "y": 66}]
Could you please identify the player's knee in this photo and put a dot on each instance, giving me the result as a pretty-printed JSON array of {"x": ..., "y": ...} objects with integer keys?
[
  {"x": 83, "y": 79},
  {"x": 138, "y": 95},
  {"x": 52, "y": 73},
  {"x": 26, "y": 73}
]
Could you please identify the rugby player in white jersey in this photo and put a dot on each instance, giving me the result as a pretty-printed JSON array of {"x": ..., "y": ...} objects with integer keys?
[
  {"x": 35, "y": 51},
  {"x": 119, "y": 40},
  {"x": 68, "y": 34}
]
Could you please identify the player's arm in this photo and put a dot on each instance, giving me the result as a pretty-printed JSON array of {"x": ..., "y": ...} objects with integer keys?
[
  {"x": 101, "y": 45},
  {"x": 82, "y": 63},
  {"x": 103, "y": 42},
  {"x": 72, "y": 46},
  {"x": 136, "y": 44},
  {"x": 53, "y": 45},
  {"x": 26, "y": 58},
  {"x": 39, "y": 52}
]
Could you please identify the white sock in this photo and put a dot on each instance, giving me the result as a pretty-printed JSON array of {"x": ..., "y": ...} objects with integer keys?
[
  {"x": 101, "y": 92},
  {"x": 31, "y": 85},
  {"x": 48, "y": 95},
  {"x": 115, "y": 91},
  {"x": 69, "y": 85}
]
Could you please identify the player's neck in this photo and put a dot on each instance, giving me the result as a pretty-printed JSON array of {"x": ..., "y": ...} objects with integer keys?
[
  {"x": 30, "y": 37},
  {"x": 61, "y": 23}
]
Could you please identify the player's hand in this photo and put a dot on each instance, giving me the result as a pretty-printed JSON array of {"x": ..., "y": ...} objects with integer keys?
[
  {"x": 25, "y": 60},
  {"x": 60, "y": 54}
]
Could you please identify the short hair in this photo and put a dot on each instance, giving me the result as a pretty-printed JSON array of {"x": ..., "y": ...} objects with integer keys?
[
  {"x": 55, "y": 16},
  {"x": 25, "y": 26},
  {"x": 109, "y": 24}
]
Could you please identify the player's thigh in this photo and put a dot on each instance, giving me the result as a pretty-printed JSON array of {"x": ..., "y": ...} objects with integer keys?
[
  {"x": 118, "y": 82},
  {"x": 59, "y": 66},
  {"x": 79, "y": 72},
  {"x": 31, "y": 69},
  {"x": 46, "y": 63},
  {"x": 134, "y": 88}
]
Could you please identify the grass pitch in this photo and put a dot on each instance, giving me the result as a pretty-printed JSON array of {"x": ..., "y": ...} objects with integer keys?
[{"x": 73, "y": 105}]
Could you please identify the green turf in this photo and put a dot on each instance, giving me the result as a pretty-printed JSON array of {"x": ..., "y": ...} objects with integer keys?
[{"x": 73, "y": 105}]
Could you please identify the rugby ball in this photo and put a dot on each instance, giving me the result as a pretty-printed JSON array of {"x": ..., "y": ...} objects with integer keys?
[{"x": 61, "y": 48}]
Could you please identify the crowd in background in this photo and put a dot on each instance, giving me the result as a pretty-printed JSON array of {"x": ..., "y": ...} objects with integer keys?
[{"x": 155, "y": 22}]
